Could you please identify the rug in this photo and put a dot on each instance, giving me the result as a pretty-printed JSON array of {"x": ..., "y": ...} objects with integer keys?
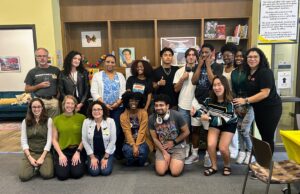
[{"x": 10, "y": 135}]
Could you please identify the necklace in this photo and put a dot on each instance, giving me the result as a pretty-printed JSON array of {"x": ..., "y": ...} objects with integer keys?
[{"x": 167, "y": 72}]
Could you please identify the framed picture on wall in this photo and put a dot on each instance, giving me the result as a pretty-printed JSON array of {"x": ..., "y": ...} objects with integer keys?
[
  {"x": 179, "y": 45},
  {"x": 10, "y": 64},
  {"x": 91, "y": 39},
  {"x": 127, "y": 56}
]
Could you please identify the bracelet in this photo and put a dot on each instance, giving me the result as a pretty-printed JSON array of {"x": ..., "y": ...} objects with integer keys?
[
  {"x": 247, "y": 100},
  {"x": 78, "y": 150},
  {"x": 28, "y": 155}
]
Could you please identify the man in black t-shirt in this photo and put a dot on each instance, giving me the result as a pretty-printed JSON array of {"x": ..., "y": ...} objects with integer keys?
[
  {"x": 164, "y": 75},
  {"x": 42, "y": 82}
]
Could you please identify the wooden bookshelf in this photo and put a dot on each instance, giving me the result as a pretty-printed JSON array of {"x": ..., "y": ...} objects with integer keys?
[{"x": 143, "y": 25}]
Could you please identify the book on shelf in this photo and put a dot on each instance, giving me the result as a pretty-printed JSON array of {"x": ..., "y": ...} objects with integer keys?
[
  {"x": 241, "y": 31},
  {"x": 221, "y": 31},
  {"x": 210, "y": 29},
  {"x": 233, "y": 39}
]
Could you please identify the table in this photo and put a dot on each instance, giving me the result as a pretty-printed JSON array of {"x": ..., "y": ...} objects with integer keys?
[{"x": 291, "y": 141}]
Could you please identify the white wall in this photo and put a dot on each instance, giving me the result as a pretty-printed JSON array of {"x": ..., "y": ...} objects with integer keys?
[{"x": 16, "y": 43}]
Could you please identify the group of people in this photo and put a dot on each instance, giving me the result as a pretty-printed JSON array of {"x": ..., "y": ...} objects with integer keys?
[{"x": 161, "y": 110}]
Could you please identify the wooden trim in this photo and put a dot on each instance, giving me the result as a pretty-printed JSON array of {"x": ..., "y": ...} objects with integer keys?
[
  {"x": 156, "y": 49},
  {"x": 109, "y": 36}
]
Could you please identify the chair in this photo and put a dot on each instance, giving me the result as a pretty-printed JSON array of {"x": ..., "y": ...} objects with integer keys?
[{"x": 269, "y": 171}]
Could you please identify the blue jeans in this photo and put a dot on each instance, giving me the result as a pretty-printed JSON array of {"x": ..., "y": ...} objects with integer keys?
[
  {"x": 115, "y": 115},
  {"x": 243, "y": 128},
  {"x": 186, "y": 116},
  {"x": 104, "y": 172},
  {"x": 141, "y": 159}
]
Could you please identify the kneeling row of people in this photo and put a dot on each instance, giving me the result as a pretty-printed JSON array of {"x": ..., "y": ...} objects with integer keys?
[{"x": 71, "y": 133}]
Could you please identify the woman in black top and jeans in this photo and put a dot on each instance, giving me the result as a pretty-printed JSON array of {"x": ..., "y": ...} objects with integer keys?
[
  {"x": 74, "y": 81},
  {"x": 262, "y": 94}
]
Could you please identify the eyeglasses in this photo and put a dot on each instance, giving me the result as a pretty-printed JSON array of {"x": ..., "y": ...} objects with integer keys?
[
  {"x": 36, "y": 107},
  {"x": 97, "y": 109},
  {"x": 41, "y": 56},
  {"x": 253, "y": 57}
]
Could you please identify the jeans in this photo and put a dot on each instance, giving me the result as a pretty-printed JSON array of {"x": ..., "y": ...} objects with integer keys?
[
  {"x": 243, "y": 128},
  {"x": 141, "y": 159},
  {"x": 104, "y": 172},
  {"x": 115, "y": 114},
  {"x": 65, "y": 172},
  {"x": 186, "y": 116}
]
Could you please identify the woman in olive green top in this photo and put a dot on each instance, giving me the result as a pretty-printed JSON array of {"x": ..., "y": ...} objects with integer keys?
[
  {"x": 36, "y": 142},
  {"x": 66, "y": 139}
]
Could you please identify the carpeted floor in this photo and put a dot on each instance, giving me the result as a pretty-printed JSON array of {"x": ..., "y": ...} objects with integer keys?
[{"x": 10, "y": 136}]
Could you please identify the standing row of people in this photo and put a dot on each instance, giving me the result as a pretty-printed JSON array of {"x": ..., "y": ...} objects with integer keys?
[{"x": 168, "y": 129}]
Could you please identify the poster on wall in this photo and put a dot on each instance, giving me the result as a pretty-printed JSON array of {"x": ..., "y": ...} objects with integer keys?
[
  {"x": 179, "y": 45},
  {"x": 127, "y": 56},
  {"x": 278, "y": 21},
  {"x": 91, "y": 39},
  {"x": 10, "y": 64},
  {"x": 284, "y": 79}
]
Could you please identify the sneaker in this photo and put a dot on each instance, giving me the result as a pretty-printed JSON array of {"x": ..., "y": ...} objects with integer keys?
[
  {"x": 192, "y": 159},
  {"x": 187, "y": 150},
  {"x": 241, "y": 157},
  {"x": 146, "y": 163},
  {"x": 207, "y": 162},
  {"x": 247, "y": 158}
]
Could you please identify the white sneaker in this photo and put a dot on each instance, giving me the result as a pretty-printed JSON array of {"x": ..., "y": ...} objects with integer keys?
[
  {"x": 247, "y": 158},
  {"x": 187, "y": 150},
  {"x": 241, "y": 157},
  {"x": 207, "y": 162},
  {"x": 192, "y": 159}
]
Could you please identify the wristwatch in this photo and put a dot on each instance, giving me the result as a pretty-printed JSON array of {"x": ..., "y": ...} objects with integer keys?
[
  {"x": 105, "y": 158},
  {"x": 247, "y": 100},
  {"x": 174, "y": 142}
]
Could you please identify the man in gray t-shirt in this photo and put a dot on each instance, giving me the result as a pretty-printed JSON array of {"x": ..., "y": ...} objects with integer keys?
[
  {"x": 168, "y": 130},
  {"x": 42, "y": 82}
]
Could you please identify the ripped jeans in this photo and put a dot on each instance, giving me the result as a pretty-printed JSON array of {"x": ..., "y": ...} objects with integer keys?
[{"x": 243, "y": 128}]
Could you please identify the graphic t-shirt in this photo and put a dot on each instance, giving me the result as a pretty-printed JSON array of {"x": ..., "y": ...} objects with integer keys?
[
  {"x": 169, "y": 129},
  {"x": 135, "y": 125}
]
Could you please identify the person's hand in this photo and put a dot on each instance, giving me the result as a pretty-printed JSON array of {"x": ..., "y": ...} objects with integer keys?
[
  {"x": 135, "y": 149},
  {"x": 201, "y": 62},
  {"x": 63, "y": 161},
  {"x": 239, "y": 101},
  {"x": 109, "y": 107},
  {"x": 167, "y": 157},
  {"x": 205, "y": 117},
  {"x": 76, "y": 159},
  {"x": 40, "y": 161},
  {"x": 78, "y": 107},
  {"x": 168, "y": 145},
  {"x": 44, "y": 84},
  {"x": 94, "y": 163},
  {"x": 32, "y": 161},
  {"x": 104, "y": 163},
  {"x": 192, "y": 111},
  {"x": 209, "y": 60},
  {"x": 185, "y": 76},
  {"x": 114, "y": 106},
  {"x": 161, "y": 82}
]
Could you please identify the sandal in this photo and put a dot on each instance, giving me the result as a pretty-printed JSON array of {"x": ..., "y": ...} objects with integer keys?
[
  {"x": 226, "y": 171},
  {"x": 210, "y": 171}
]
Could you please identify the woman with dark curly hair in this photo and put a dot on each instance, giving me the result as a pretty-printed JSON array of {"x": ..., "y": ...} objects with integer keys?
[
  {"x": 74, "y": 81},
  {"x": 262, "y": 95},
  {"x": 141, "y": 80},
  {"x": 99, "y": 139},
  {"x": 134, "y": 122},
  {"x": 36, "y": 134}
]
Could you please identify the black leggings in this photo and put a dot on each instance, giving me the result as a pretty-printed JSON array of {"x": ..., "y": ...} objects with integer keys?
[
  {"x": 267, "y": 119},
  {"x": 65, "y": 172}
]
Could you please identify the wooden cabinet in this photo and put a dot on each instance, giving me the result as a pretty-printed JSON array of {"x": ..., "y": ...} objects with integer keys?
[{"x": 145, "y": 35}]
